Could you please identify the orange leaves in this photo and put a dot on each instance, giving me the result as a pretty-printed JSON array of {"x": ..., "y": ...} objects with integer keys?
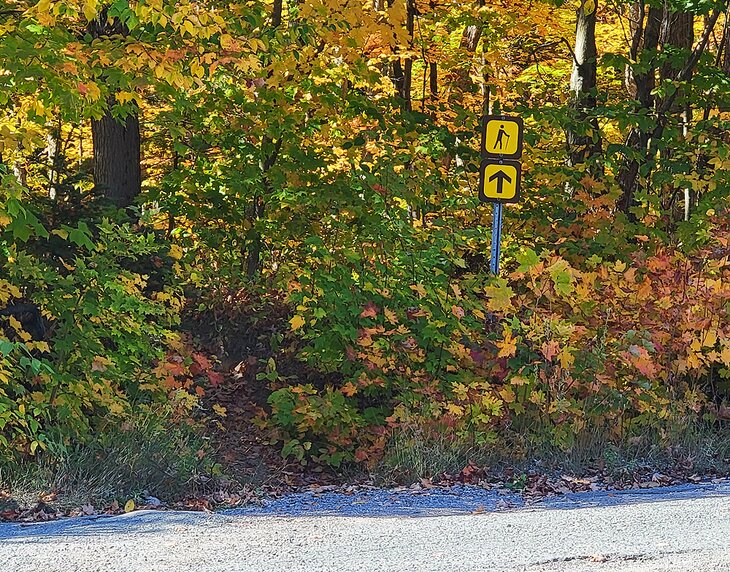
[
  {"x": 369, "y": 311},
  {"x": 457, "y": 311},
  {"x": 639, "y": 357},
  {"x": 349, "y": 389}
]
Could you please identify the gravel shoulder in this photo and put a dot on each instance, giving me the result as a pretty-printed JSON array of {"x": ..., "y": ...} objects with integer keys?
[{"x": 680, "y": 528}]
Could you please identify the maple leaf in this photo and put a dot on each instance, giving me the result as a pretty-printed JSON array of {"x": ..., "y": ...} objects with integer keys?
[
  {"x": 391, "y": 316},
  {"x": 214, "y": 378},
  {"x": 370, "y": 310},
  {"x": 349, "y": 389},
  {"x": 508, "y": 345},
  {"x": 550, "y": 349},
  {"x": 296, "y": 322},
  {"x": 419, "y": 289},
  {"x": 500, "y": 296}
]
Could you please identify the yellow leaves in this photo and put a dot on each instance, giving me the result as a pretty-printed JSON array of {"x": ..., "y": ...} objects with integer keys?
[
  {"x": 89, "y": 90},
  {"x": 18, "y": 327},
  {"x": 129, "y": 506},
  {"x": 7, "y": 291},
  {"x": 507, "y": 345},
  {"x": 101, "y": 363},
  {"x": 257, "y": 45},
  {"x": 44, "y": 12},
  {"x": 500, "y": 296},
  {"x": 175, "y": 252},
  {"x": 124, "y": 97},
  {"x": 519, "y": 380},
  {"x": 419, "y": 289},
  {"x": 454, "y": 409},
  {"x": 390, "y": 316},
  {"x": 196, "y": 69},
  {"x": 89, "y": 9},
  {"x": 566, "y": 358},
  {"x": 589, "y": 6},
  {"x": 710, "y": 339},
  {"x": 219, "y": 410},
  {"x": 296, "y": 322}
]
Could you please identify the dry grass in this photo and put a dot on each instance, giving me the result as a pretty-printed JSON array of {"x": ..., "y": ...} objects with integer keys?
[
  {"x": 144, "y": 457},
  {"x": 698, "y": 447}
]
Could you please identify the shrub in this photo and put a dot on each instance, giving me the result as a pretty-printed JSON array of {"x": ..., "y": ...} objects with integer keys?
[
  {"x": 551, "y": 349},
  {"x": 107, "y": 326}
]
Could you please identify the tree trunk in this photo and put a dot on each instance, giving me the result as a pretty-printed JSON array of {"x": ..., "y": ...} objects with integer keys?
[
  {"x": 433, "y": 82},
  {"x": 644, "y": 82},
  {"x": 678, "y": 34},
  {"x": 276, "y": 13},
  {"x": 638, "y": 139},
  {"x": 636, "y": 28},
  {"x": 117, "y": 171},
  {"x": 116, "y": 142},
  {"x": 403, "y": 72},
  {"x": 583, "y": 85}
]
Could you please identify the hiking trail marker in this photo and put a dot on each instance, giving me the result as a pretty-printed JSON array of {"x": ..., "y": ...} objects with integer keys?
[{"x": 500, "y": 173}]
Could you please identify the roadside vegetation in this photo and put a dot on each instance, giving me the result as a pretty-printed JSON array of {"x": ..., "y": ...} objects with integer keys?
[{"x": 241, "y": 245}]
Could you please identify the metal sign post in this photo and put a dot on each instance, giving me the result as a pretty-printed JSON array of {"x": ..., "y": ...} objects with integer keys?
[{"x": 496, "y": 238}]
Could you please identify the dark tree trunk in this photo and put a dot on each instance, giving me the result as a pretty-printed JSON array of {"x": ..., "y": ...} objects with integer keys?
[
  {"x": 433, "y": 81},
  {"x": 116, "y": 142},
  {"x": 638, "y": 139},
  {"x": 678, "y": 34},
  {"x": 117, "y": 171},
  {"x": 644, "y": 83},
  {"x": 403, "y": 72},
  {"x": 276, "y": 13},
  {"x": 583, "y": 85}
]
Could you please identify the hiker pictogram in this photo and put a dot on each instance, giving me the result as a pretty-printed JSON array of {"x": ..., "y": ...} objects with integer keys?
[{"x": 501, "y": 134}]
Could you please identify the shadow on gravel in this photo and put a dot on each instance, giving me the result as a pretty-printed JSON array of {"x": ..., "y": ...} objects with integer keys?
[
  {"x": 140, "y": 522},
  {"x": 462, "y": 500}
]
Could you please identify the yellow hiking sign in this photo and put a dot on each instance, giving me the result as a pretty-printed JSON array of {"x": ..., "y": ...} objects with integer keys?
[
  {"x": 502, "y": 137},
  {"x": 500, "y": 181}
]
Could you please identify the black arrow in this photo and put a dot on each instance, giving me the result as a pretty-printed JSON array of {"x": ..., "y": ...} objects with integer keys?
[{"x": 500, "y": 177}]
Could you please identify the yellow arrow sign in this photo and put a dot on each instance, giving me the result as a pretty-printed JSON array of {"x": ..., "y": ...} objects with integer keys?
[
  {"x": 499, "y": 181},
  {"x": 502, "y": 136}
]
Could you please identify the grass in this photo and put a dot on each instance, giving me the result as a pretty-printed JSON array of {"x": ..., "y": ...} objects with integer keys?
[
  {"x": 144, "y": 456},
  {"x": 701, "y": 448}
]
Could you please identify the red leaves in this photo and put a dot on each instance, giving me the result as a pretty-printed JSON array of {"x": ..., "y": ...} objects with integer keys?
[{"x": 370, "y": 310}]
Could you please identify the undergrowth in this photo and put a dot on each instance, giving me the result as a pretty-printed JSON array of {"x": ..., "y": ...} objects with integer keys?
[
  {"x": 697, "y": 448},
  {"x": 146, "y": 455}
]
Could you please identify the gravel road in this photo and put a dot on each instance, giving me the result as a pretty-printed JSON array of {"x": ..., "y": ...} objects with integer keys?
[{"x": 680, "y": 528}]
